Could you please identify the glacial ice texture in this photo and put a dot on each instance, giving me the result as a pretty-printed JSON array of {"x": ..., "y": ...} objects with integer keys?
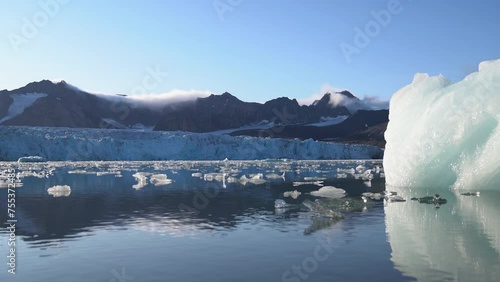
[
  {"x": 444, "y": 134},
  {"x": 63, "y": 144}
]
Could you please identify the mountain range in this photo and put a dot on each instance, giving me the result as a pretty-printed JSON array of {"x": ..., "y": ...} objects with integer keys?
[{"x": 59, "y": 104}]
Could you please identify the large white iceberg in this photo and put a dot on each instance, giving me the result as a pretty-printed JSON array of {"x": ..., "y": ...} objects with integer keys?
[{"x": 444, "y": 134}]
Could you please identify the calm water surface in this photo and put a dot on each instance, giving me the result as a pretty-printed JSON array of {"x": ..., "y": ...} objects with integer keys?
[{"x": 203, "y": 222}]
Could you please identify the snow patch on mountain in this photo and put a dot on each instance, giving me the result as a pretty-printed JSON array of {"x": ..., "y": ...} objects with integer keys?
[
  {"x": 21, "y": 102},
  {"x": 326, "y": 121}
]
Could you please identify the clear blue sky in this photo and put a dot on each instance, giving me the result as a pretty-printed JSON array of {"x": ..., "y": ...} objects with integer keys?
[{"x": 261, "y": 49}]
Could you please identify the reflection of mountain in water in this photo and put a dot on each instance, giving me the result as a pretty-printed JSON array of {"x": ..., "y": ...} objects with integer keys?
[{"x": 459, "y": 241}]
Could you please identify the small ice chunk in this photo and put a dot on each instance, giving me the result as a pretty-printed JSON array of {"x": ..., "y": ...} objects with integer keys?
[
  {"x": 79, "y": 171},
  {"x": 348, "y": 171},
  {"x": 341, "y": 175},
  {"x": 360, "y": 168},
  {"x": 294, "y": 194},
  {"x": 308, "y": 178},
  {"x": 160, "y": 180},
  {"x": 367, "y": 194},
  {"x": 257, "y": 179},
  {"x": 141, "y": 179},
  {"x": 275, "y": 176},
  {"x": 395, "y": 198},
  {"x": 59, "y": 191},
  {"x": 329, "y": 192},
  {"x": 300, "y": 183},
  {"x": 279, "y": 203},
  {"x": 232, "y": 179}
]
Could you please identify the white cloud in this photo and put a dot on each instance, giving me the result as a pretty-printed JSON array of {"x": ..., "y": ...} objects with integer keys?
[
  {"x": 353, "y": 105},
  {"x": 159, "y": 101},
  {"x": 172, "y": 96},
  {"x": 153, "y": 100},
  {"x": 325, "y": 88}
]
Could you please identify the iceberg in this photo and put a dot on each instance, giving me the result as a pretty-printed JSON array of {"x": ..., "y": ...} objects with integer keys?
[
  {"x": 294, "y": 194},
  {"x": 142, "y": 180},
  {"x": 59, "y": 191},
  {"x": 329, "y": 192},
  {"x": 446, "y": 135},
  {"x": 160, "y": 180}
]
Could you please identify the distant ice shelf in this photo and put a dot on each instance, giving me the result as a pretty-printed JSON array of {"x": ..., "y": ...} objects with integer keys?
[{"x": 64, "y": 144}]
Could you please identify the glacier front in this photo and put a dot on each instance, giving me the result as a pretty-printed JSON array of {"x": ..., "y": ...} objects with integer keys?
[
  {"x": 64, "y": 144},
  {"x": 446, "y": 135}
]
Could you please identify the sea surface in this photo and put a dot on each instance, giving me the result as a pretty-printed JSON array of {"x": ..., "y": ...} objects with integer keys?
[{"x": 218, "y": 221}]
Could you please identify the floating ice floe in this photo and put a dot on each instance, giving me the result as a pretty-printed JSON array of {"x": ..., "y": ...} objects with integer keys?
[
  {"x": 256, "y": 179},
  {"x": 102, "y": 173},
  {"x": 31, "y": 159},
  {"x": 329, "y": 192},
  {"x": 197, "y": 174},
  {"x": 313, "y": 178},
  {"x": 79, "y": 171},
  {"x": 280, "y": 204},
  {"x": 345, "y": 170},
  {"x": 477, "y": 194},
  {"x": 214, "y": 176},
  {"x": 275, "y": 176},
  {"x": 300, "y": 183},
  {"x": 294, "y": 194},
  {"x": 341, "y": 175},
  {"x": 142, "y": 180},
  {"x": 59, "y": 191},
  {"x": 160, "y": 180},
  {"x": 360, "y": 169}
]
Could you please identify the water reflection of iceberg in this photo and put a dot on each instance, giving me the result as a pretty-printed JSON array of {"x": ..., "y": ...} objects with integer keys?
[{"x": 460, "y": 241}]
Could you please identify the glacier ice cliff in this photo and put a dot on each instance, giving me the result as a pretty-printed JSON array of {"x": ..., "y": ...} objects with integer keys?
[
  {"x": 62, "y": 144},
  {"x": 444, "y": 134}
]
